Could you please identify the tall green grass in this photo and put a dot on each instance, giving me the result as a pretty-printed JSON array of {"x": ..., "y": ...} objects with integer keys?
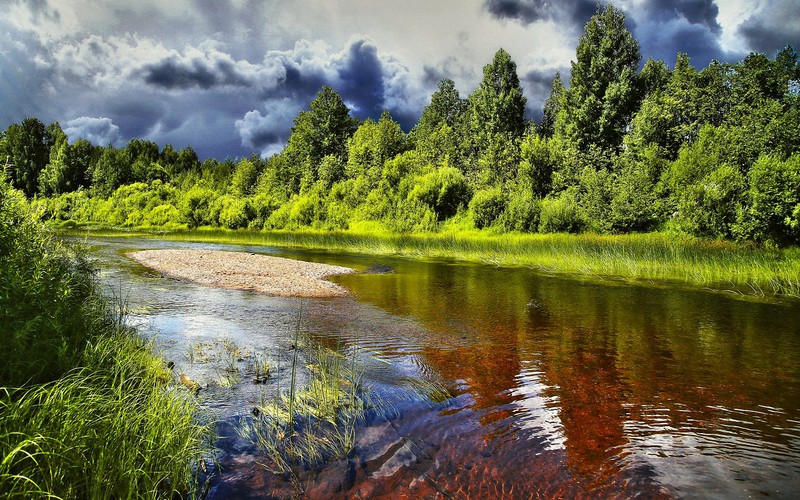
[
  {"x": 86, "y": 408},
  {"x": 655, "y": 257}
]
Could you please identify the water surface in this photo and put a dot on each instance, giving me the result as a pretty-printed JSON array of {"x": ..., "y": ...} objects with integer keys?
[{"x": 559, "y": 387}]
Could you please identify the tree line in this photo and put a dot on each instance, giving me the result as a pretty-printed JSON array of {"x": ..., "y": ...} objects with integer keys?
[{"x": 713, "y": 152}]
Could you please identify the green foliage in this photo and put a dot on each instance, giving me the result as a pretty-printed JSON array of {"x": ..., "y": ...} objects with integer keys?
[
  {"x": 522, "y": 213},
  {"x": 446, "y": 108},
  {"x": 85, "y": 411},
  {"x": 635, "y": 203},
  {"x": 244, "y": 178},
  {"x": 709, "y": 207},
  {"x": 414, "y": 216},
  {"x": 595, "y": 195},
  {"x": 536, "y": 165},
  {"x": 230, "y": 211},
  {"x": 552, "y": 106},
  {"x": 28, "y": 146},
  {"x": 487, "y": 205},
  {"x": 444, "y": 191},
  {"x": 165, "y": 215},
  {"x": 561, "y": 214},
  {"x": 603, "y": 91},
  {"x": 615, "y": 152},
  {"x": 321, "y": 131},
  {"x": 195, "y": 206},
  {"x": 372, "y": 145},
  {"x": 497, "y": 107},
  {"x": 774, "y": 201},
  {"x": 113, "y": 169}
]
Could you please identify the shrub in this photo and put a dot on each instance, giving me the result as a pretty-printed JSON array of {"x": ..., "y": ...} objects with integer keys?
[
  {"x": 487, "y": 205},
  {"x": 774, "y": 201},
  {"x": 443, "y": 190},
  {"x": 413, "y": 216},
  {"x": 561, "y": 214},
  {"x": 234, "y": 213},
  {"x": 522, "y": 213},
  {"x": 163, "y": 215}
]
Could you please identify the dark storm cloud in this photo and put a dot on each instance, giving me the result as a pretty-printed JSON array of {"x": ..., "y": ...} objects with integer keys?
[
  {"x": 361, "y": 74},
  {"x": 700, "y": 12},
  {"x": 775, "y": 25},
  {"x": 21, "y": 93},
  {"x": 135, "y": 115},
  {"x": 666, "y": 27},
  {"x": 575, "y": 12},
  {"x": 524, "y": 11},
  {"x": 172, "y": 73},
  {"x": 662, "y": 27}
]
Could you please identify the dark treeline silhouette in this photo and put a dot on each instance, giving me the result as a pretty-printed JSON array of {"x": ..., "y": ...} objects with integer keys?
[{"x": 712, "y": 152}]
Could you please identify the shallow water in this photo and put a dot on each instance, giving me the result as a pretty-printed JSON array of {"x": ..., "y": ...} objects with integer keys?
[{"x": 559, "y": 387}]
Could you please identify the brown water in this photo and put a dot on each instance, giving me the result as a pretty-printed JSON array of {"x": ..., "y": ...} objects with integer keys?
[{"x": 561, "y": 388}]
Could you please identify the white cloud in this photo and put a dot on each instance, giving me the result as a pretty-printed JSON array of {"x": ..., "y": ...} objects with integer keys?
[{"x": 101, "y": 131}]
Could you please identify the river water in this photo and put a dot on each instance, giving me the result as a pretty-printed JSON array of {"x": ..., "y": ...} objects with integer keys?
[{"x": 558, "y": 387}]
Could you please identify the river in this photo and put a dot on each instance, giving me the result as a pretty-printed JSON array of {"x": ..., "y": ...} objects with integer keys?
[{"x": 557, "y": 387}]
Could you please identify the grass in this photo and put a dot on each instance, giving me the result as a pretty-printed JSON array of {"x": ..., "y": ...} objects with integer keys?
[
  {"x": 87, "y": 410},
  {"x": 744, "y": 269}
]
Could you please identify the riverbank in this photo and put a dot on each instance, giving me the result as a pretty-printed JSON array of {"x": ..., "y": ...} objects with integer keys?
[
  {"x": 743, "y": 269},
  {"x": 246, "y": 271},
  {"x": 87, "y": 409}
]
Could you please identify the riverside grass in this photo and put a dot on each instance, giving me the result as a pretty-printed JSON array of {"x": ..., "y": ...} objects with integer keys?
[
  {"x": 744, "y": 269},
  {"x": 86, "y": 408}
]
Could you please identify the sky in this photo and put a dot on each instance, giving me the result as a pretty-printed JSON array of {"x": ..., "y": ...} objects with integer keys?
[{"x": 228, "y": 77}]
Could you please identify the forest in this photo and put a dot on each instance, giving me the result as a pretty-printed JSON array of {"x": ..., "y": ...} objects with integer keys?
[{"x": 622, "y": 147}]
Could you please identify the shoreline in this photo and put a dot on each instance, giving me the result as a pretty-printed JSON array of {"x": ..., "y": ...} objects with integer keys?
[{"x": 275, "y": 276}]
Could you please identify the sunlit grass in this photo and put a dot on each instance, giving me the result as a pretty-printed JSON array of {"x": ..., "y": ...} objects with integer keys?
[
  {"x": 87, "y": 409},
  {"x": 655, "y": 257}
]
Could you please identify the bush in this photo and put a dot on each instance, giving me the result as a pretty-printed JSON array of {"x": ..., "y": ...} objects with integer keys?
[
  {"x": 522, "y": 213},
  {"x": 773, "y": 214},
  {"x": 487, "y": 205},
  {"x": 561, "y": 214},
  {"x": 234, "y": 213},
  {"x": 413, "y": 216},
  {"x": 443, "y": 190},
  {"x": 710, "y": 206},
  {"x": 195, "y": 206},
  {"x": 163, "y": 215}
]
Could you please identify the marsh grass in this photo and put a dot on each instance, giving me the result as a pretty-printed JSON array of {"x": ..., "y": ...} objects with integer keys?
[
  {"x": 744, "y": 269},
  {"x": 87, "y": 410},
  {"x": 310, "y": 423},
  {"x": 112, "y": 429}
]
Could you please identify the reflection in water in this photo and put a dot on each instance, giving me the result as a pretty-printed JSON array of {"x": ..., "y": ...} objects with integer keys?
[{"x": 561, "y": 387}]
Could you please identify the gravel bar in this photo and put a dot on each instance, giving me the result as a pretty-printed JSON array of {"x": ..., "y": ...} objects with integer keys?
[{"x": 246, "y": 271}]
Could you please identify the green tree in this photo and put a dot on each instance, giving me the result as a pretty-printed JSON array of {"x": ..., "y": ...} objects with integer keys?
[
  {"x": 536, "y": 166},
  {"x": 372, "y": 145},
  {"x": 244, "y": 178},
  {"x": 28, "y": 146},
  {"x": 321, "y": 131},
  {"x": 113, "y": 169},
  {"x": 446, "y": 106},
  {"x": 551, "y": 107},
  {"x": 443, "y": 190},
  {"x": 497, "y": 107},
  {"x": 654, "y": 77},
  {"x": 603, "y": 84}
]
